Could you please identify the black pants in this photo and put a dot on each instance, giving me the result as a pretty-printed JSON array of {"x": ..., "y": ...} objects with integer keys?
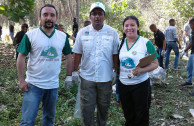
[{"x": 135, "y": 100}]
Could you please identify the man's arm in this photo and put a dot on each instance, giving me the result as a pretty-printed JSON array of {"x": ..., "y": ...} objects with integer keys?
[
  {"x": 77, "y": 60},
  {"x": 176, "y": 39},
  {"x": 188, "y": 46},
  {"x": 185, "y": 33},
  {"x": 115, "y": 62},
  {"x": 69, "y": 64},
  {"x": 71, "y": 37},
  {"x": 14, "y": 41},
  {"x": 164, "y": 44},
  {"x": 21, "y": 68}
]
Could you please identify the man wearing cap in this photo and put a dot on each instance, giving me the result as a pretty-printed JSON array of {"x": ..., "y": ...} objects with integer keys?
[{"x": 96, "y": 47}]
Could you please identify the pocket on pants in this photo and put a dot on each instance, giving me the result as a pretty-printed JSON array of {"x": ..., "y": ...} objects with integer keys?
[{"x": 84, "y": 96}]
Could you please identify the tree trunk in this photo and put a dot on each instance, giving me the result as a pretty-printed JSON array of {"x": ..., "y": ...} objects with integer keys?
[
  {"x": 43, "y": 2},
  {"x": 51, "y": 1},
  {"x": 77, "y": 11},
  {"x": 71, "y": 10}
]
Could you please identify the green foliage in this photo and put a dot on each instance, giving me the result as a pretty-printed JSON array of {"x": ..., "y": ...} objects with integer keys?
[
  {"x": 184, "y": 7},
  {"x": 17, "y": 9},
  {"x": 118, "y": 11}
]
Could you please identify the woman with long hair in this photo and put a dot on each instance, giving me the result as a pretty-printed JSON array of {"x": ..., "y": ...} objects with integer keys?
[{"x": 134, "y": 83}]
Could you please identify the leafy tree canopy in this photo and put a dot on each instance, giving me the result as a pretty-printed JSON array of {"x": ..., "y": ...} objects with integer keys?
[{"x": 17, "y": 9}]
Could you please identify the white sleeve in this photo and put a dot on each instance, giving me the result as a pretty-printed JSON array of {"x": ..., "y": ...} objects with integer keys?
[
  {"x": 116, "y": 43},
  {"x": 77, "y": 47}
]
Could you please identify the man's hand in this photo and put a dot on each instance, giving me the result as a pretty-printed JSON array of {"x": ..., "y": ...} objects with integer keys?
[
  {"x": 187, "y": 39},
  {"x": 24, "y": 86},
  {"x": 75, "y": 77},
  {"x": 163, "y": 53},
  {"x": 181, "y": 55},
  {"x": 68, "y": 82},
  {"x": 114, "y": 78}
]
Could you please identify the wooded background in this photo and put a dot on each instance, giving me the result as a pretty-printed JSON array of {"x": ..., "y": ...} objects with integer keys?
[{"x": 148, "y": 12}]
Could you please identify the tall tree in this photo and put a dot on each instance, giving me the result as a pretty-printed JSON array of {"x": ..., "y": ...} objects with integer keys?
[{"x": 17, "y": 9}]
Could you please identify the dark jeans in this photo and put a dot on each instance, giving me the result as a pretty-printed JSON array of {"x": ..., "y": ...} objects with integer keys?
[
  {"x": 135, "y": 100},
  {"x": 160, "y": 58}
]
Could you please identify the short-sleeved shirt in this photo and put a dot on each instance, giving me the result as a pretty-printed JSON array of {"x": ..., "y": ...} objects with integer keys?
[
  {"x": 45, "y": 53},
  {"x": 170, "y": 34},
  {"x": 187, "y": 28},
  {"x": 159, "y": 38},
  {"x": 19, "y": 36},
  {"x": 97, "y": 49},
  {"x": 75, "y": 26},
  {"x": 129, "y": 59}
]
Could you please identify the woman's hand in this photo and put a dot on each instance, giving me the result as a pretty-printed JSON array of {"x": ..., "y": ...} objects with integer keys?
[{"x": 137, "y": 71}]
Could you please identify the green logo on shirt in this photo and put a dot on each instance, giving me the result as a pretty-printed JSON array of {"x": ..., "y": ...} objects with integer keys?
[
  {"x": 134, "y": 53},
  {"x": 50, "y": 53}
]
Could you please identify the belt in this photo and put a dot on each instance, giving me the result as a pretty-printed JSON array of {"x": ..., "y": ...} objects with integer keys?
[{"x": 171, "y": 41}]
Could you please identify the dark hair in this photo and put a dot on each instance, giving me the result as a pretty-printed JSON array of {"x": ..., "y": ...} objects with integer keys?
[
  {"x": 191, "y": 21},
  {"x": 60, "y": 25},
  {"x": 171, "y": 20},
  {"x": 152, "y": 26},
  {"x": 24, "y": 26},
  {"x": 124, "y": 35},
  {"x": 48, "y": 5},
  {"x": 87, "y": 23}
]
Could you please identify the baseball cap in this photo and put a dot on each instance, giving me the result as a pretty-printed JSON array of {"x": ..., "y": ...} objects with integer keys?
[{"x": 97, "y": 5}]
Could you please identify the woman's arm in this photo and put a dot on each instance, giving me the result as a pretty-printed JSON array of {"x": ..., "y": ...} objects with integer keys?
[{"x": 137, "y": 70}]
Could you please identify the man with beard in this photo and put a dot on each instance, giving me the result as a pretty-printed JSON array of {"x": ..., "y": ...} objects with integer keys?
[
  {"x": 44, "y": 46},
  {"x": 96, "y": 47}
]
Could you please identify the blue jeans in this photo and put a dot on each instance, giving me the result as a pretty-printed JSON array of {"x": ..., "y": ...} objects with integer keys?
[
  {"x": 31, "y": 102},
  {"x": 160, "y": 58},
  {"x": 190, "y": 71},
  {"x": 117, "y": 92},
  {"x": 170, "y": 46},
  {"x": 186, "y": 43},
  {"x": 11, "y": 35}
]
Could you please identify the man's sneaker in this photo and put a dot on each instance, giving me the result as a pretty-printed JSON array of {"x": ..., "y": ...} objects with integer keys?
[{"x": 186, "y": 84}]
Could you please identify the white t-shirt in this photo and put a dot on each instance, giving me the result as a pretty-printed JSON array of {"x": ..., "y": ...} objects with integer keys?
[
  {"x": 129, "y": 58},
  {"x": 97, "y": 49},
  {"x": 187, "y": 28},
  {"x": 44, "y": 52}
]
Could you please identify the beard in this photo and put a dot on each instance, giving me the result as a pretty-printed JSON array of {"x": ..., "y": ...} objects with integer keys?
[{"x": 48, "y": 26}]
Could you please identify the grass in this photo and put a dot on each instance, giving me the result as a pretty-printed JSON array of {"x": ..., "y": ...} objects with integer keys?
[{"x": 168, "y": 99}]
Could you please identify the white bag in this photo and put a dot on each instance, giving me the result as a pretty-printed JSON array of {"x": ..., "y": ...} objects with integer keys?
[
  {"x": 157, "y": 76},
  {"x": 77, "y": 111}
]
